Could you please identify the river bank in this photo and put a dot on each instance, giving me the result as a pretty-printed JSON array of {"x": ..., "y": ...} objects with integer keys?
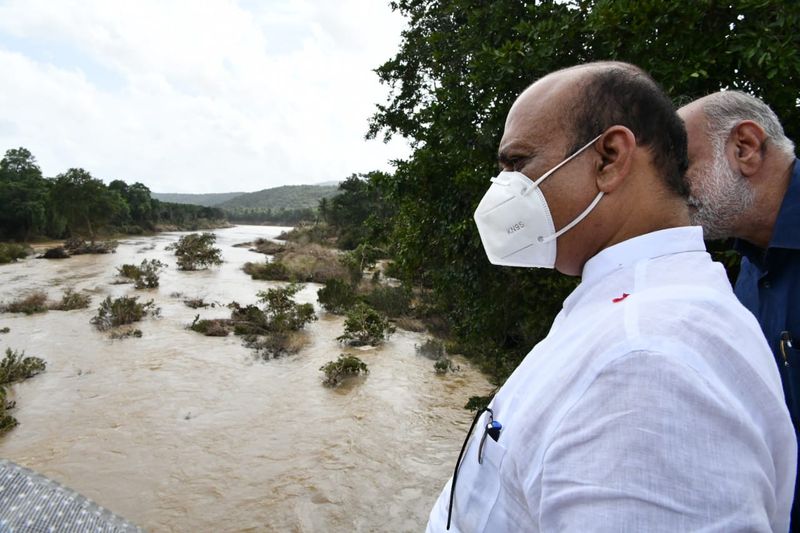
[{"x": 180, "y": 432}]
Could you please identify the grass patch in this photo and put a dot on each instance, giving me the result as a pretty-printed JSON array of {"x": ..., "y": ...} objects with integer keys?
[
  {"x": 34, "y": 302},
  {"x": 122, "y": 311},
  {"x": 75, "y": 246},
  {"x": 300, "y": 263},
  {"x": 345, "y": 366},
  {"x": 365, "y": 326},
  {"x": 303, "y": 234},
  {"x": 71, "y": 300}
]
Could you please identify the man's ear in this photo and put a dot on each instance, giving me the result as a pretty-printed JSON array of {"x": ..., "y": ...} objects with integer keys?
[
  {"x": 747, "y": 140},
  {"x": 616, "y": 148}
]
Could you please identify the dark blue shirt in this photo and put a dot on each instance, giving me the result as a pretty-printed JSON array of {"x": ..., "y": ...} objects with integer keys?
[{"x": 769, "y": 286}]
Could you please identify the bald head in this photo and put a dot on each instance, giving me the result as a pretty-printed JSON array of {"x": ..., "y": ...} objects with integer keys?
[
  {"x": 629, "y": 147},
  {"x": 585, "y": 100}
]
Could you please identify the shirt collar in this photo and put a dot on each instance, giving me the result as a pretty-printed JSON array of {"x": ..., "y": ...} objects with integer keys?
[
  {"x": 786, "y": 233},
  {"x": 648, "y": 246}
]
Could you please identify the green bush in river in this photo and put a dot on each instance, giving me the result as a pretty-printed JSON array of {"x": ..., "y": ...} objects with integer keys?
[
  {"x": 121, "y": 311},
  {"x": 34, "y": 302},
  {"x": 196, "y": 251},
  {"x": 10, "y": 252},
  {"x": 71, "y": 300},
  {"x": 345, "y": 366},
  {"x": 271, "y": 329},
  {"x": 15, "y": 367},
  {"x": 365, "y": 326},
  {"x": 431, "y": 348},
  {"x": 144, "y": 276}
]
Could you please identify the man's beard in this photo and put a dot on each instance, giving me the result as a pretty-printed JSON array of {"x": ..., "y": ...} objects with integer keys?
[{"x": 719, "y": 197}]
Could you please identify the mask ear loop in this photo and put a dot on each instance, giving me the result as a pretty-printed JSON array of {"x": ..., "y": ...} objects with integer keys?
[
  {"x": 572, "y": 224},
  {"x": 564, "y": 162}
]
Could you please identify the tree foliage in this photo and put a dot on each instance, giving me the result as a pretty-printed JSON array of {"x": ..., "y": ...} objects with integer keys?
[
  {"x": 197, "y": 251},
  {"x": 461, "y": 64},
  {"x": 77, "y": 204}
]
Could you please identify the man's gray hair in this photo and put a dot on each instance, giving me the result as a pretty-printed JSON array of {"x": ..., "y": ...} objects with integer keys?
[{"x": 725, "y": 109}]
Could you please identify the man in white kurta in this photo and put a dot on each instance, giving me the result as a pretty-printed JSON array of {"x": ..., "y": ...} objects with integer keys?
[{"x": 653, "y": 404}]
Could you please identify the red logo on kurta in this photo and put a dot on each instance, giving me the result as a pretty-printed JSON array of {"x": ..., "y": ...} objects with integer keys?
[{"x": 618, "y": 300}]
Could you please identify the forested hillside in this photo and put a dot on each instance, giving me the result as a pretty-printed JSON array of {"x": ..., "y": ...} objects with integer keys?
[
  {"x": 208, "y": 200},
  {"x": 285, "y": 205}
]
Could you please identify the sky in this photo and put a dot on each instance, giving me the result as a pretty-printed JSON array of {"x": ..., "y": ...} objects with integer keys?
[{"x": 197, "y": 95}]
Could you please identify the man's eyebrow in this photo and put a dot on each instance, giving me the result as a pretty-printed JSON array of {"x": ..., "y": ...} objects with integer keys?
[{"x": 507, "y": 156}]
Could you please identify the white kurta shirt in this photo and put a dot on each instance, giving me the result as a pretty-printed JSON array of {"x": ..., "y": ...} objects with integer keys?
[{"x": 657, "y": 411}]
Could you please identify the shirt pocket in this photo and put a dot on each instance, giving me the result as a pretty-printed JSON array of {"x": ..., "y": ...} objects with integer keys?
[{"x": 478, "y": 486}]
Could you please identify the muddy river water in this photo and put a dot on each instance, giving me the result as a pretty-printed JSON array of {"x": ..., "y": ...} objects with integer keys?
[{"x": 180, "y": 432}]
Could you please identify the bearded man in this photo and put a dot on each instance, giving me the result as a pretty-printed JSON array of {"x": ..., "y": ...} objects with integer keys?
[{"x": 745, "y": 182}]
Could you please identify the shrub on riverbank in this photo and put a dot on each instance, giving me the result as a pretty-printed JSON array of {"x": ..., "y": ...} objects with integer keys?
[
  {"x": 10, "y": 252},
  {"x": 144, "y": 276},
  {"x": 337, "y": 296},
  {"x": 391, "y": 301},
  {"x": 272, "y": 271},
  {"x": 5, "y": 330},
  {"x": 71, "y": 300},
  {"x": 365, "y": 326},
  {"x": 345, "y": 366},
  {"x": 34, "y": 302},
  {"x": 196, "y": 251},
  {"x": 267, "y": 247},
  {"x": 310, "y": 234},
  {"x": 121, "y": 311}
]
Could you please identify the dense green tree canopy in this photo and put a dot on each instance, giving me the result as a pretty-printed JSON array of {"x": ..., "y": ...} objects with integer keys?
[
  {"x": 76, "y": 204},
  {"x": 461, "y": 64}
]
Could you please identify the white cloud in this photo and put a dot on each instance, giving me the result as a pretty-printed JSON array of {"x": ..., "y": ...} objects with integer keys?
[{"x": 192, "y": 96}]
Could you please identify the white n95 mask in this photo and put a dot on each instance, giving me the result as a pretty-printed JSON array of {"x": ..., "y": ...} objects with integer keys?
[{"x": 514, "y": 221}]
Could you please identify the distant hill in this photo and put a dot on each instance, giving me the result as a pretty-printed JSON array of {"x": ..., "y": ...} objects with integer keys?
[
  {"x": 208, "y": 200},
  {"x": 281, "y": 198}
]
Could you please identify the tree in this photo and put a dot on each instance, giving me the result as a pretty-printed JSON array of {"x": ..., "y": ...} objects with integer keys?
[
  {"x": 85, "y": 202},
  {"x": 461, "y": 64},
  {"x": 23, "y": 195}
]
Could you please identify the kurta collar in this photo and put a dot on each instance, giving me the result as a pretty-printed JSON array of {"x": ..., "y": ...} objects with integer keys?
[{"x": 648, "y": 246}]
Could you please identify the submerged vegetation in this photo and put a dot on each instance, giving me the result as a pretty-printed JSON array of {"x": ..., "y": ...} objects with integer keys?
[
  {"x": 71, "y": 300},
  {"x": 32, "y": 303},
  {"x": 15, "y": 367},
  {"x": 36, "y": 302},
  {"x": 10, "y": 252},
  {"x": 345, "y": 366},
  {"x": 144, "y": 276},
  {"x": 365, "y": 326},
  {"x": 196, "y": 251},
  {"x": 121, "y": 311},
  {"x": 272, "y": 329}
]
